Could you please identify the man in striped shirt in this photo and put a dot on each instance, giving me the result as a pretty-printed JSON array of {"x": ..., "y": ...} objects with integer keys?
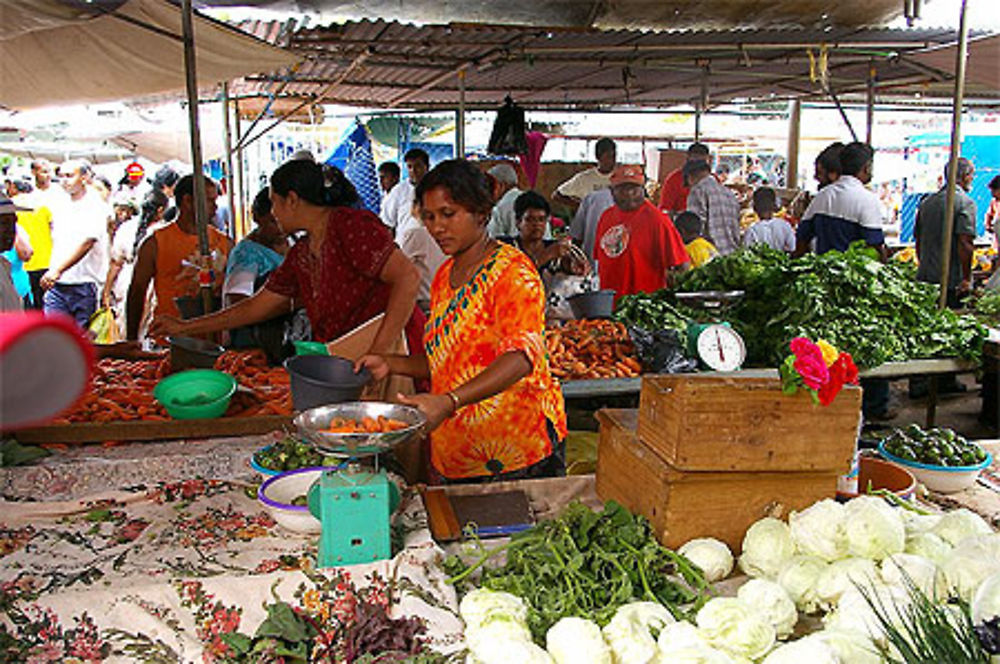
[{"x": 845, "y": 211}]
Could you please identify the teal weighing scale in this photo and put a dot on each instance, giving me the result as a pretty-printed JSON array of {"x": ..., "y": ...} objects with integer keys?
[
  {"x": 354, "y": 502},
  {"x": 716, "y": 344}
]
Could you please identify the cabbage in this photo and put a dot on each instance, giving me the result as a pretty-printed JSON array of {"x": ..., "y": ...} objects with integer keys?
[
  {"x": 683, "y": 643},
  {"x": 819, "y": 530},
  {"x": 841, "y": 575},
  {"x": 504, "y": 652},
  {"x": 680, "y": 635},
  {"x": 767, "y": 545},
  {"x": 874, "y": 528},
  {"x": 918, "y": 523},
  {"x": 799, "y": 577},
  {"x": 923, "y": 573},
  {"x": 731, "y": 625},
  {"x": 499, "y": 628},
  {"x": 986, "y": 602},
  {"x": 711, "y": 556},
  {"x": 577, "y": 641},
  {"x": 479, "y": 605},
  {"x": 632, "y": 631},
  {"x": 928, "y": 545},
  {"x": 855, "y": 615},
  {"x": 772, "y": 603},
  {"x": 971, "y": 563},
  {"x": 959, "y": 524},
  {"x": 851, "y": 647},
  {"x": 811, "y": 649}
]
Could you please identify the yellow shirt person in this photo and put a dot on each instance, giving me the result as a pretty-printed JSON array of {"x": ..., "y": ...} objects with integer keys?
[{"x": 701, "y": 251}]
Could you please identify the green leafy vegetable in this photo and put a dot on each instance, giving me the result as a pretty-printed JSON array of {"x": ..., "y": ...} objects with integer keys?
[
  {"x": 586, "y": 564},
  {"x": 877, "y": 312}
]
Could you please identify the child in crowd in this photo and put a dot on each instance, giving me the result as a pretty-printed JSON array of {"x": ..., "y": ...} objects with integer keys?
[
  {"x": 690, "y": 226},
  {"x": 776, "y": 233}
]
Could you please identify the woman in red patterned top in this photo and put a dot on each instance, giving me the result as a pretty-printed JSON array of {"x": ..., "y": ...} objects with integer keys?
[
  {"x": 345, "y": 270},
  {"x": 494, "y": 409}
]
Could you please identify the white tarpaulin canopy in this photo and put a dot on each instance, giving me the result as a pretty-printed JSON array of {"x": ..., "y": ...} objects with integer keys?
[{"x": 53, "y": 54}]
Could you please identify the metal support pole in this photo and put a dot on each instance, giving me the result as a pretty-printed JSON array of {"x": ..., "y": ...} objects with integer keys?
[
  {"x": 234, "y": 231},
  {"x": 794, "y": 134},
  {"x": 460, "y": 117},
  {"x": 870, "y": 105},
  {"x": 956, "y": 143},
  {"x": 200, "y": 211},
  {"x": 240, "y": 167},
  {"x": 702, "y": 104}
]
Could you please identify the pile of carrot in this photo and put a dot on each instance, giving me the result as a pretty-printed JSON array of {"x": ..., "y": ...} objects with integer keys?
[
  {"x": 587, "y": 349},
  {"x": 122, "y": 390},
  {"x": 378, "y": 424}
]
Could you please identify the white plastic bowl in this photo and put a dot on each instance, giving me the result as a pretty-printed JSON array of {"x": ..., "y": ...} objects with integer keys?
[
  {"x": 943, "y": 479},
  {"x": 277, "y": 495}
]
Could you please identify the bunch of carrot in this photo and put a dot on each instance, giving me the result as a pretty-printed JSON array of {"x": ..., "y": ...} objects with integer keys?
[
  {"x": 121, "y": 391},
  {"x": 366, "y": 425},
  {"x": 587, "y": 349}
]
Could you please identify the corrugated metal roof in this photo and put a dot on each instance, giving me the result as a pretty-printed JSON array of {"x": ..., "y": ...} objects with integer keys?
[{"x": 377, "y": 63}]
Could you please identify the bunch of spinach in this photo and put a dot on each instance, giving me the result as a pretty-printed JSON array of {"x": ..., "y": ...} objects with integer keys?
[
  {"x": 586, "y": 564},
  {"x": 877, "y": 312},
  {"x": 651, "y": 311}
]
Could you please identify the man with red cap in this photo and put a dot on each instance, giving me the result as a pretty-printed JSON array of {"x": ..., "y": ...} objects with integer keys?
[
  {"x": 636, "y": 244},
  {"x": 133, "y": 187}
]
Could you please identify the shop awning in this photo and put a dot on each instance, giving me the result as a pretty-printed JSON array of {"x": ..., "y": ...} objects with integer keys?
[{"x": 54, "y": 55}]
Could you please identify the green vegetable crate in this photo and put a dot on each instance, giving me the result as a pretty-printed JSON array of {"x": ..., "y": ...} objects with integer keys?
[{"x": 709, "y": 459}]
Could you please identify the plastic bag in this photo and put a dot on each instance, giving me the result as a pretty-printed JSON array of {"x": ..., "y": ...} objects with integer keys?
[
  {"x": 662, "y": 351},
  {"x": 103, "y": 327},
  {"x": 508, "y": 135}
]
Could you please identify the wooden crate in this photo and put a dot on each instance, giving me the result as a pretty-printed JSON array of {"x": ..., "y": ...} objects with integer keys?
[
  {"x": 145, "y": 430},
  {"x": 684, "y": 505},
  {"x": 745, "y": 423}
]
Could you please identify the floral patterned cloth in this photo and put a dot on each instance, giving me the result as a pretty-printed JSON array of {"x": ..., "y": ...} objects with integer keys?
[
  {"x": 500, "y": 309},
  {"x": 157, "y": 575}
]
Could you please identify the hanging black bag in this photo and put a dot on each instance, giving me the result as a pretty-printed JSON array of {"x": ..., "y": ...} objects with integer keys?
[{"x": 508, "y": 130}]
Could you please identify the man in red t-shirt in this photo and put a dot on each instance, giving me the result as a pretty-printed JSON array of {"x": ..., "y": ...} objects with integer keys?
[
  {"x": 636, "y": 244},
  {"x": 674, "y": 192}
]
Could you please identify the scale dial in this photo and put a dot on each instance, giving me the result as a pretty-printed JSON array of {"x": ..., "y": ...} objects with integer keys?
[{"x": 721, "y": 348}]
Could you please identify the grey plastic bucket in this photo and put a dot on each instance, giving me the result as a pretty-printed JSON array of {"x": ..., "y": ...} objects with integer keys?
[
  {"x": 319, "y": 380},
  {"x": 191, "y": 353},
  {"x": 596, "y": 304}
]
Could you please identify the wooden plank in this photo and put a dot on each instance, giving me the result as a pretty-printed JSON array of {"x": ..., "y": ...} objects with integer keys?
[
  {"x": 96, "y": 432},
  {"x": 705, "y": 422}
]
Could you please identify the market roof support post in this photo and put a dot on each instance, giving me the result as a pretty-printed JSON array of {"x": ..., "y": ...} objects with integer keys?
[
  {"x": 702, "y": 103},
  {"x": 956, "y": 143},
  {"x": 794, "y": 132},
  {"x": 870, "y": 104},
  {"x": 236, "y": 229},
  {"x": 200, "y": 213},
  {"x": 460, "y": 117}
]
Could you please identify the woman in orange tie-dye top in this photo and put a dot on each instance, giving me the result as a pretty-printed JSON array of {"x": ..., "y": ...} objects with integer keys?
[{"x": 494, "y": 409}]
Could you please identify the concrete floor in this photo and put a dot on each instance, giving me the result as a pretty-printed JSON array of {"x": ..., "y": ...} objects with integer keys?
[{"x": 959, "y": 412}]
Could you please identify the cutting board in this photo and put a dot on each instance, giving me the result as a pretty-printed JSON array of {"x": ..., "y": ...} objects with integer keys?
[{"x": 489, "y": 514}]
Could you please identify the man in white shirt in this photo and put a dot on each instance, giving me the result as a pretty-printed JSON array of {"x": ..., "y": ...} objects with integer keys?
[
  {"x": 388, "y": 176},
  {"x": 396, "y": 205},
  {"x": 573, "y": 190},
  {"x": 503, "y": 221},
  {"x": 583, "y": 228},
  {"x": 79, "y": 248}
]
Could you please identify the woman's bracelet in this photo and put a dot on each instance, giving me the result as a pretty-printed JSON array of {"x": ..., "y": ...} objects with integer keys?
[{"x": 455, "y": 403}]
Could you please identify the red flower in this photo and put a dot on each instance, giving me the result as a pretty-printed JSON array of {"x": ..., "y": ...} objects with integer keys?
[
  {"x": 850, "y": 370},
  {"x": 842, "y": 372}
]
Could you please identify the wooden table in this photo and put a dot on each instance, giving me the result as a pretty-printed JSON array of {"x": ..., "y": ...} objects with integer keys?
[{"x": 575, "y": 389}]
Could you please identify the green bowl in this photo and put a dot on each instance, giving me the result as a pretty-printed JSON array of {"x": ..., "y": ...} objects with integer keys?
[
  {"x": 195, "y": 394},
  {"x": 310, "y": 348}
]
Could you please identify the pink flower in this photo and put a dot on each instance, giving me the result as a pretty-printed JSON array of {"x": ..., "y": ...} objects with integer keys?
[{"x": 810, "y": 363}]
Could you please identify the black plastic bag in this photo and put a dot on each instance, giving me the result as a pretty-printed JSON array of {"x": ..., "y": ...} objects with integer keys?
[
  {"x": 662, "y": 351},
  {"x": 508, "y": 130}
]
